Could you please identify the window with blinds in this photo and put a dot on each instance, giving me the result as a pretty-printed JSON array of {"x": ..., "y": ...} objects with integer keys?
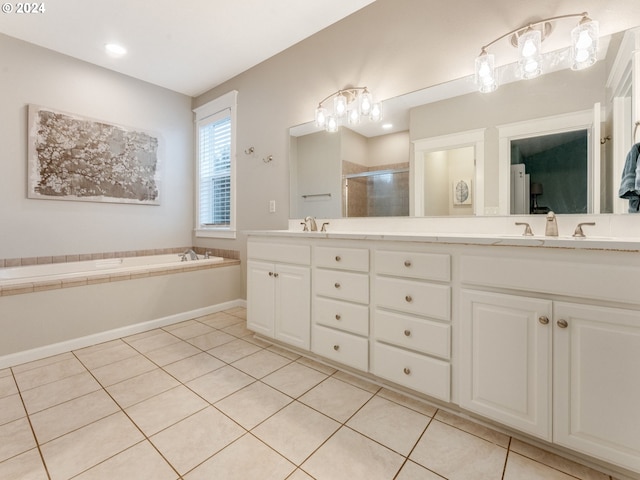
[{"x": 215, "y": 170}]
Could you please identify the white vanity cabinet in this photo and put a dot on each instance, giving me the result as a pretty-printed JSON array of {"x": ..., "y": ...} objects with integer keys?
[
  {"x": 341, "y": 305},
  {"x": 279, "y": 292},
  {"x": 411, "y": 320}
]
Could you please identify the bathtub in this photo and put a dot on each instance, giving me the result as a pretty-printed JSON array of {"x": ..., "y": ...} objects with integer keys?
[{"x": 58, "y": 307}]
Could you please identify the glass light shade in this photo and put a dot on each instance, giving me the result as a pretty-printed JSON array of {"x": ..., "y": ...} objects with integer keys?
[
  {"x": 353, "y": 116},
  {"x": 321, "y": 117},
  {"x": 375, "y": 114},
  {"x": 485, "y": 76},
  {"x": 584, "y": 44},
  {"x": 332, "y": 124},
  {"x": 340, "y": 105},
  {"x": 530, "y": 62},
  {"x": 365, "y": 103}
]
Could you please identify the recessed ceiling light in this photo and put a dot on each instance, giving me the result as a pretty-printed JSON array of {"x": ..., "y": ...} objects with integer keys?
[
  {"x": 115, "y": 50},
  {"x": 387, "y": 126}
]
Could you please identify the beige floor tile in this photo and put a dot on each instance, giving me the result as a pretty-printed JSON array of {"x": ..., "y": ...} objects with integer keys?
[
  {"x": 5, "y": 372},
  {"x": 237, "y": 311},
  {"x": 26, "y": 466},
  {"x": 220, "y": 383},
  {"x": 53, "y": 372},
  {"x": 137, "y": 389},
  {"x": 153, "y": 342},
  {"x": 193, "y": 367},
  {"x": 15, "y": 438},
  {"x": 98, "y": 358},
  {"x": 522, "y": 468},
  {"x": 220, "y": 320},
  {"x": 413, "y": 471},
  {"x": 234, "y": 350},
  {"x": 559, "y": 463},
  {"x": 124, "y": 369},
  {"x": 299, "y": 475},
  {"x": 260, "y": 342},
  {"x": 141, "y": 335},
  {"x": 172, "y": 353},
  {"x": 42, "y": 362},
  {"x": 189, "y": 329},
  {"x": 336, "y": 399},
  {"x": 390, "y": 424},
  {"x": 211, "y": 340},
  {"x": 348, "y": 455},
  {"x": 231, "y": 463},
  {"x": 68, "y": 416},
  {"x": 7, "y": 387},
  {"x": 253, "y": 404},
  {"x": 476, "y": 429},
  {"x": 283, "y": 352},
  {"x": 294, "y": 379},
  {"x": 356, "y": 381},
  {"x": 238, "y": 330},
  {"x": 296, "y": 431},
  {"x": 458, "y": 455},
  {"x": 196, "y": 438},
  {"x": 11, "y": 409},
  {"x": 261, "y": 363},
  {"x": 140, "y": 462},
  {"x": 321, "y": 367},
  {"x": 409, "y": 402},
  {"x": 165, "y": 409},
  {"x": 82, "y": 449},
  {"x": 54, "y": 393}
]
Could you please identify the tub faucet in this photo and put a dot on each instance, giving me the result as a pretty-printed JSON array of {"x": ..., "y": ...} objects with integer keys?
[
  {"x": 551, "y": 229},
  {"x": 192, "y": 255},
  {"x": 312, "y": 223}
]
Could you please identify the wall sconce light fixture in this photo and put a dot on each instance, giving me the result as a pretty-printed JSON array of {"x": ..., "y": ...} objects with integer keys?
[
  {"x": 528, "y": 40},
  {"x": 352, "y": 104}
]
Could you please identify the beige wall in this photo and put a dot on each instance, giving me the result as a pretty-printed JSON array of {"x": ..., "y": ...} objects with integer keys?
[{"x": 29, "y": 227}]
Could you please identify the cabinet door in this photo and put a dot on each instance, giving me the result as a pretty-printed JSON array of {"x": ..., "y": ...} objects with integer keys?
[
  {"x": 597, "y": 382},
  {"x": 293, "y": 305},
  {"x": 505, "y": 359},
  {"x": 260, "y": 297}
]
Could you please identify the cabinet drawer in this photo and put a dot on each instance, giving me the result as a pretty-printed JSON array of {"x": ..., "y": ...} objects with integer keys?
[
  {"x": 356, "y": 259},
  {"x": 417, "y": 334},
  {"x": 413, "y": 296},
  {"x": 418, "y": 372},
  {"x": 345, "y": 316},
  {"x": 341, "y": 347},
  {"x": 280, "y": 252},
  {"x": 429, "y": 266},
  {"x": 343, "y": 285}
]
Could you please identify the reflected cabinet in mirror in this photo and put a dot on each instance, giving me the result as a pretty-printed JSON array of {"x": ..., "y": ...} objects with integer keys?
[{"x": 557, "y": 142}]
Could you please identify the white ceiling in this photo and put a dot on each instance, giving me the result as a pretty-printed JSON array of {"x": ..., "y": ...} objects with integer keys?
[{"x": 188, "y": 46}]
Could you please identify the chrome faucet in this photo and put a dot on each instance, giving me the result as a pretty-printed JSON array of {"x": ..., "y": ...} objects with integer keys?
[
  {"x": 312, "y": 223},
  {"x": 192, "y": 255},
  {"x": 551, "y": 229}
]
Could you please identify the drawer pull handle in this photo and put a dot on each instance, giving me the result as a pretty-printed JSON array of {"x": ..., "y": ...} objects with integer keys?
[
  {"x": 407, "y": 263},
  {"x": 407, "y": 371},
  {"x": 407, "y": 333},
  {"x": 275, "y": 275},
  {"x": 408, "y": 299},
  {"x": 562, "y": 323},
  {"x": 338, "y": 258},
  {"x": 271, "y": 274},
  {"x": 338, "y": 316},
  {"x": 337, "y": 284},
  {"x": 336, "y": 347},
  {"x": 543, "y": 320}
]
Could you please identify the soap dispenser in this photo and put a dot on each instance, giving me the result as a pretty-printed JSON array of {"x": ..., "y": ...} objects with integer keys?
[{"x": 551, "y": 229}]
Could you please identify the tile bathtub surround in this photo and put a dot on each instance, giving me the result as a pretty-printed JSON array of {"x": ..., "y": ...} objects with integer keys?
[{"x": 204, "y": 399}]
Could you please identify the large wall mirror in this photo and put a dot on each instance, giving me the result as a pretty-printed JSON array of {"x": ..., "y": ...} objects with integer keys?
[{"x": 556, "y": 142}]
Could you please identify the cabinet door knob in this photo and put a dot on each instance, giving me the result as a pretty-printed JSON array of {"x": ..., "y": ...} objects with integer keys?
[
  {"x": 336, "y": 347},
  {"x": 407, "y": 371},
  {"x": 271, "y": 274},
  {"x": 407, "y": 333},
  {"x": 338, "y": 258},
  {"x": 276, "y": 275},
  {"x": 337, "y": 284},
  {"x": 338, "y": 316},
  {"x": 543, "y": 320},
  {"x": 408, "y": 299},
  {"x": 407, "y": 263},
  {"x": 562, "y": 323}
]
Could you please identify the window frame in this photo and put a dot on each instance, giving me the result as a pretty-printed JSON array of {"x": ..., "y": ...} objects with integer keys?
[{"x": 203, "y": 116}]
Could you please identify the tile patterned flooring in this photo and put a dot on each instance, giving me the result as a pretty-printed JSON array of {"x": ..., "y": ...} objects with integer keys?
[{"x": 203, "y": 399}]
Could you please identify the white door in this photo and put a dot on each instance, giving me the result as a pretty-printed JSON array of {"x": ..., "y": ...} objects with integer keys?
[
  {"x": 260, "y": 297},
  {"x": 293, "y": 305},
  {"x": 505, "y": 359},
  {"x": 597, "y": 382}
]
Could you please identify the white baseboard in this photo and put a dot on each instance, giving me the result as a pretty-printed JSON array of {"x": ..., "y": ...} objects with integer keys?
[{"x": 18, "y": 358}]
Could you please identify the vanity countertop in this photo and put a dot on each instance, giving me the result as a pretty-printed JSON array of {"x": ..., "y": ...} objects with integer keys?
[{"x": 630, "y": 244}]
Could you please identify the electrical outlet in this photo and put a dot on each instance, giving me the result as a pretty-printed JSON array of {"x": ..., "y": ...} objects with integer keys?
[{"x": 272, "y": 206}]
